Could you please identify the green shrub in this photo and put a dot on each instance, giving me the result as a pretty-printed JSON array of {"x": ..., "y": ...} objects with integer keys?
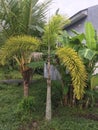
[
  {"x": 25, "y": 108},
  {"x": 27, "y": 104}
]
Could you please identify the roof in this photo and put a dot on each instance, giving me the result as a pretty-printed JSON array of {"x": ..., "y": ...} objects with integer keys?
[{"x": 78, "y": 16}]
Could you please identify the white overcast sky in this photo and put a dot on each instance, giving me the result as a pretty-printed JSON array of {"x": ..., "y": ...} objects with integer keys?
[{"x": 70, "y": 7}]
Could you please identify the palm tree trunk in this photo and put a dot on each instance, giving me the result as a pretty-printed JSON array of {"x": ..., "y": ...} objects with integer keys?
[
  {"x": 26, "y": 81},
  {"x": 26, "y": 89},
  {"x": 48, "y": 100}
]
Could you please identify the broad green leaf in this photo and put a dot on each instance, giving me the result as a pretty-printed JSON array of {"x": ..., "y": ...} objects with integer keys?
[
  {"x": 90, "y": 36},
  {"x": 94, "y": 81},
  {"x": 87, "y": 53},
  {"x": 36, "y": 64},
  {"x": 79, "y": 37}
]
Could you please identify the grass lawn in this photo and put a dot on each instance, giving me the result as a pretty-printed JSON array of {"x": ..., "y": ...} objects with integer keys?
[{"x": 64, "y": 118}]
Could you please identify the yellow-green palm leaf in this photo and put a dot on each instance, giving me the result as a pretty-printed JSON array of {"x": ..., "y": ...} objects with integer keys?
[
  {"x": 19, "y": 48},
  {"x": 72, "y": 61}
]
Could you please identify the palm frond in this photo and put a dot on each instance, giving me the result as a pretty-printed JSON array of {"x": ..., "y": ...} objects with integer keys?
[
  {"x": 72, "y": 61},
  {"x": 19, "y": 46},
  {"x": 52, "y": 29},
  {"x": 37, "y": 64},
  {"x": 36, "y": 56},
  {"x": 23, "y": 16}
]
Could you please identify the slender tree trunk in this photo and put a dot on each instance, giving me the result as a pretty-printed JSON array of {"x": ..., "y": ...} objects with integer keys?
[
  {"x": 26, "y": 81},
  {"x": 64, "y": 97},
  {"x": 48, "y": 100},
  {"x": 26, "y": 89}
]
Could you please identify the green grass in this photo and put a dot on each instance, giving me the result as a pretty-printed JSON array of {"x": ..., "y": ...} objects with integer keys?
[
  {"x": 69, "y": 123},
  {"x": 63, "y": 118},
  {"x": 9, "y": 98},
  {"x": 9, "y": 74}
]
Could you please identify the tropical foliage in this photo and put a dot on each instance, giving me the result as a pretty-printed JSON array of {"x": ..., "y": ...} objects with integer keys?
[
  {"x": 19, "y": 20},
  {"x": 74, "y": 64},
  {"x": 23, "y": 17},
  {"x": 90, "y": 36},
  {"x": 89, "y": 53},
  {"x": 20, "y": 48},
  {"x": 52, "y": 30},
  {"x": 86, "y": 45}
]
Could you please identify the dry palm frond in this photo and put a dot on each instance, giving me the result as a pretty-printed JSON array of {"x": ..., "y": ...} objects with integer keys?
[{"x": 36, "y": 56}]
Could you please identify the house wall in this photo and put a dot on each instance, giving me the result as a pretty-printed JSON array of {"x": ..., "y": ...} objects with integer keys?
[{"x": 93, "y": 16}]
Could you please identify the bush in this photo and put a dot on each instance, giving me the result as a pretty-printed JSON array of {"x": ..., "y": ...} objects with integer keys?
[{"x": 25, "y": 108}]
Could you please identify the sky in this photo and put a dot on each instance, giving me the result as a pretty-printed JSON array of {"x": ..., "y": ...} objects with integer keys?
[{"x": 70, "y": 7}]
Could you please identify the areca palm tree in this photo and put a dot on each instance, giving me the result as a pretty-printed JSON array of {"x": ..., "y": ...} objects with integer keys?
[
  {"x": 23, "y": 17},
  {"x": 50, "y": 37},
  {"x": 20, "y": 48}
]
